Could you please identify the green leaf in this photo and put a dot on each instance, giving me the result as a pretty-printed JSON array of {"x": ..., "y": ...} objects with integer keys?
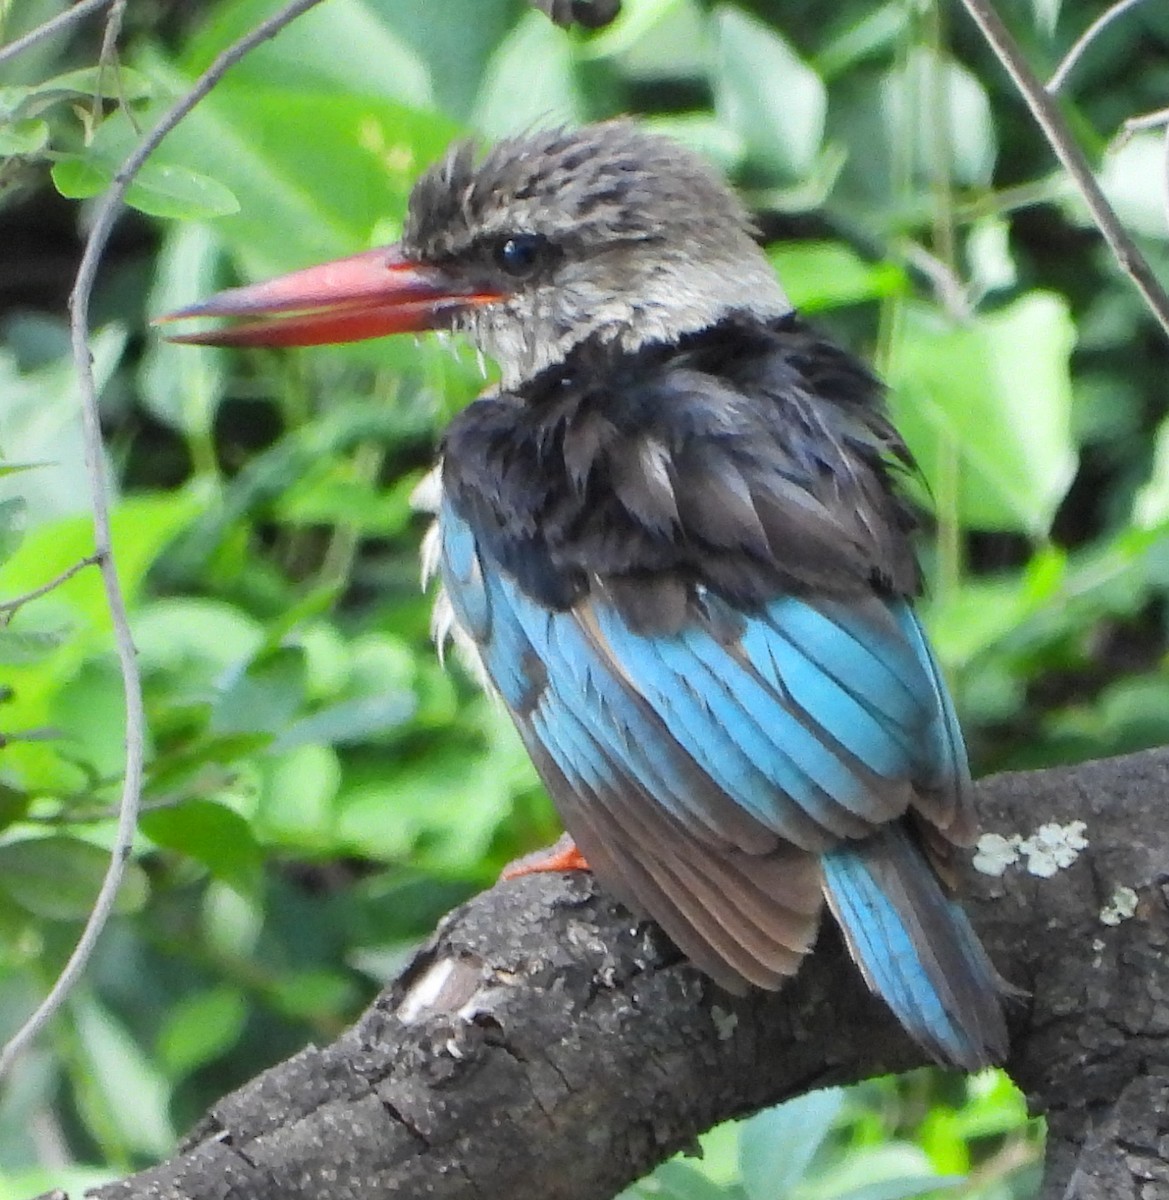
[
  {"x": 23, "y": 138},
  {"x": 142, "y": 525},
  {"x": 7, "y": 469},
  {"x": 549, "y": 96},
  {"x": 297, "y": 798},
  {"x": 658, "y": 39},
  {"x": 768, "y": 95},
  {"x": 105, "y": 83},
  {"x": 195, "y": 642},
  {"x": 704, "y": 135},
  {"x": 121, "y": 1091},
  {"x": 350, "y": 721},
  {"x": 825, "y": 275},
  {"x": 211, "y": 833},
  {"x": 776, "y": 1146},
  {"x": 88, "y": 716},
  {"x": 179, "y": 193},
  {"x": 444, "y": 810},
  {"x": 39, "y": 423},
  {"x": 315, "y": 172},
  {"x": 308, "y": 995},
  {"x": 263, "y": 696},
  {"x": 990, "y": 401},
  {"x": 1133, "y": 179},
  {"x": 14, "y": 804},
  {"x": 13, "y": 522},
  {"x": 20, "y": 1184},
  {"x": 159, "y": 189},
  {"x": 200, "y": 1029},
  {"x": 676, "y": 1180},
  {"x": 183, "y": 385},
  {"x": 902, "y": 1189},
  {"x": 348, "y": 46},
  {"x": 58, "y": 877},
  {"x": 950, "y": 96},
  {"x": 894, "y": 1170},
  {"x": 871, "y": 33},
  {"x": 18, "y": 649}
]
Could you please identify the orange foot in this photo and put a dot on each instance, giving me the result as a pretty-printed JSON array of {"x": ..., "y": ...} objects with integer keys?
[{"x": 560, "y": 856}]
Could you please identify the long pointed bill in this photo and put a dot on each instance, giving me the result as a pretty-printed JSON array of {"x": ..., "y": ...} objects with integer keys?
[{"x": 366, "y": 296}]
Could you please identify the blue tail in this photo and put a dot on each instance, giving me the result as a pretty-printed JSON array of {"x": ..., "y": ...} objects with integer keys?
[{"x": 916, "y": 948}]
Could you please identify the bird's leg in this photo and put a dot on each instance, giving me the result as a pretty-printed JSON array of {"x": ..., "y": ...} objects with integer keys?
[{"x": 562, "y": 855}]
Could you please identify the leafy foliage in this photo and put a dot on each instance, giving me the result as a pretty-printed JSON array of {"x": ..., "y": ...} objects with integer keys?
[{"x": 318, "y": 789}]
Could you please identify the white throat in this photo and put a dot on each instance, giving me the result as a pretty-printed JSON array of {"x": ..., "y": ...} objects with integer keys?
[{"x": 676, "y": 299}]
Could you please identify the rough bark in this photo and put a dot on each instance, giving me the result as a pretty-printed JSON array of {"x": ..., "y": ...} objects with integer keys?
[{"x": 547, "y": 1043}]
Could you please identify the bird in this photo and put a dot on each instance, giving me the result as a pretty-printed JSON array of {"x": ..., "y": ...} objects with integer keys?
[{"x": 676, "y": 541}]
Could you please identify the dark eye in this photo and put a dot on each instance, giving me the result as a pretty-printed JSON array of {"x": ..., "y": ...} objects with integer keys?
[{"x": 520, "y": 253}]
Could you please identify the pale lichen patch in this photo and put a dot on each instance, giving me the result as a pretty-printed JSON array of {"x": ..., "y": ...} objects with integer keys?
[
  {"x": 1049, "y": 849},
  {"x": 724, "y": 1022},
  {"x": 1121, "y": 905},
  {"x": 995, "y": 853}
]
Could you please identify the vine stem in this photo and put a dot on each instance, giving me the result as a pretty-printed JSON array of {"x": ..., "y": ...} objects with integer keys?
[{"x": 104, "y": 217}]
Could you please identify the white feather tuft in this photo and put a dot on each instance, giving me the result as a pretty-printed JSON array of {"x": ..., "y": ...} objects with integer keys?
[
  {"x": 431, "y": 554},
  {"x": 427, "y": 496}
]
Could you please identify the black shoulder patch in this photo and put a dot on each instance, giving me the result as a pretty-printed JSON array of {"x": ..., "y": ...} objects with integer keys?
[{"x": 749, "y": 459}]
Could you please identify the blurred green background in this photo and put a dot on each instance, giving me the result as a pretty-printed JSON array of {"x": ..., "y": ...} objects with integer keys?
[{"x": 318, "y": 790}]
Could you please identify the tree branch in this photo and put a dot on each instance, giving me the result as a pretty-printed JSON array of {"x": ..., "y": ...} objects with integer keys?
[
  {"x": 546, "y": 1043},
  {"x": 1050, "y": 121},
  {"x": 58, "y": 23}
]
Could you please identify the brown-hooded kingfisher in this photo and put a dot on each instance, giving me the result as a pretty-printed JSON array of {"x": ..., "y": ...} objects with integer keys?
[{"x": 675, "y": 539}]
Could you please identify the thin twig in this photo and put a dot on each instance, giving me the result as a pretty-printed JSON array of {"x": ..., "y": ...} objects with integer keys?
[
  {"x": 1074, "y": 55},
  {"x": 56, "y": 25},
  {"x": 950, "y": 291},
  {"x": 1059, "y": 137},
  {"x": 105, "y": 215},
  {"x": 1136, "y": 125},
  {"x": 107, "y": 59},
  {"x": 9, "y": 608}
]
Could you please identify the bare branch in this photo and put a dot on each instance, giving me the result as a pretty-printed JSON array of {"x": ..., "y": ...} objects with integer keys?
[
  {"x": 60, "y": 22},
  {"x": 1074, "y": 55},
  {"x": 105, "y": 216},
  {"x": 9, "y": 608},
  {"x": 1139, "y": 124},
  {"x": 1059, "y": 137},
  {"x": 547, "y": 1043}
]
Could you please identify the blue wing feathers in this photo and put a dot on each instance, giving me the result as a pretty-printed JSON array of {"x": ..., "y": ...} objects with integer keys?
[
  {"x": 896, "y": 701},
  {"x": 948, "y": 771},
  {"x": 785, "y": 668},
  {"x": 916, "y": 947},
  {"x": 735, "y": 729},
  {"x": 728, "y": 773}
]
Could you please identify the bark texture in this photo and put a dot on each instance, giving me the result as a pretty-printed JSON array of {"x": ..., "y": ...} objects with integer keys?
[{"x": 547, "y": 1043}]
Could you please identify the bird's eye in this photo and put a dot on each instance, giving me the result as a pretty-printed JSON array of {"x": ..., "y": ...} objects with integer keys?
[{"x": 520, "y": 253}]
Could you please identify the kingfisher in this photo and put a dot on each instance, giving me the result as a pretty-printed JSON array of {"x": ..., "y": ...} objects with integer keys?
[{"x": 676, "y": 541}]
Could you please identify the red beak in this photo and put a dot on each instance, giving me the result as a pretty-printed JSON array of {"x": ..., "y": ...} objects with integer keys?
[{"x": 366, "y": 296}]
